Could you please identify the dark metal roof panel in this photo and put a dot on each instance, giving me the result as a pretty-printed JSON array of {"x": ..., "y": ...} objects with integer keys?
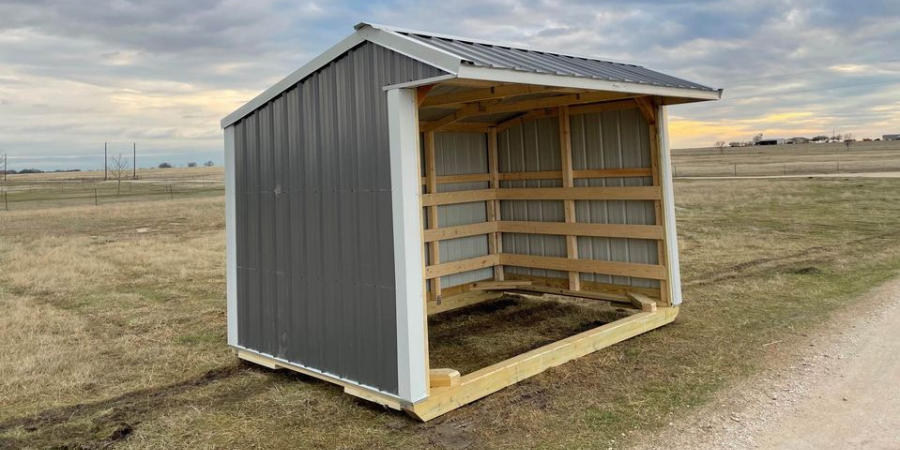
[{"x": 526, "y": 60}]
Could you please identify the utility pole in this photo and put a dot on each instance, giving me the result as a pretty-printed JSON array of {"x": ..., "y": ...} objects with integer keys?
[
  {"x": 104, "y": 162},
  {"x": 3, "y": 160},
  {"x": 134, "y": 160}
]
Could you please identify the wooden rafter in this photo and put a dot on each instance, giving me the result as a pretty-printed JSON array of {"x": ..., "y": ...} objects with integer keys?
[{"x": 477, "y": 95}]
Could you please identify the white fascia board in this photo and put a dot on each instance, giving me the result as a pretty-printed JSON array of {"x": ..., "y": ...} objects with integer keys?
[
  {"x": 406, "y": 209},
  {"x": 231, "y": 310},
  {"x": 543, "y": 79},
  {"x": 422, "y": 82},
  {"x": 668, "y": 198},
  {"x": 401, "y": 44}
]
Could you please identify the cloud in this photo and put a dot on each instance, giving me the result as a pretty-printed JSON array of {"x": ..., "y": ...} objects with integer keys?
[{"x": 74, "y": 74}]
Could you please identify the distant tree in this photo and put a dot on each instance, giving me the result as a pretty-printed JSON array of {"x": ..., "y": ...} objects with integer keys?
[
  {"x": 721, "y": 146},
  {"x": 848, "y": 140},
  {"x": 209, "y": 164},
  {"x": 165, "y": 165},
  {"x": 735, "y": 144},
  {"x": 757, "y": 138},
  {"x": 117, "y": 168},
  {"x": 30, "y": 171},
  {"x": 192, "y": 164}
]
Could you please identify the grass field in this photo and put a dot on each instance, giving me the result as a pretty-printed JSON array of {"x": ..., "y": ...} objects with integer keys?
[
  {"x": 112, "y": 320},
  {"x": 797, "y": 159}
]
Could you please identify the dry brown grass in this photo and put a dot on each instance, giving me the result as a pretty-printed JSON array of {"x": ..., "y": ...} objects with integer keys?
[{"x": 115, "y": 338}]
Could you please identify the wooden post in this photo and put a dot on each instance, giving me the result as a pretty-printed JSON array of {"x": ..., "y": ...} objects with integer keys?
[
  {"x": 650, "y": 115},
  {"x": 434, "y": 254},
  {"x": 565, "y": 147},
  {"x": 495, "y": 240}
]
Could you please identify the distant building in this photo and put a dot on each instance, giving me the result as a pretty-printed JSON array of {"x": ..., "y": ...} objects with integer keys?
[
  {"x": 771, "y": 142},
  {"x": 798, "y": 140},
  {"x": 891, "y": 137}
]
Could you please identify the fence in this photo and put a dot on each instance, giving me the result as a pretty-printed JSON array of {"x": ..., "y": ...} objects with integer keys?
[
  {"x": 688, "y": 169},
  {"x": 80, "y": 193}
]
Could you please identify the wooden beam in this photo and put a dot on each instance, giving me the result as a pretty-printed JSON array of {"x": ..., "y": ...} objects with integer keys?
[
  {"x": 444, "y": 377},
  {"x": 664, "y": 295},
  {"x": 648, "y": 109},
  {"x": 495, "y": 240},
  {"x": 565, "y": 150},
  {"x": 583, "y": 293},
  {"x": 498, "y": 376},
  {"x": 422, "y": 93},
  {"x": 451, "y": 302},
  {"x": 464, "y": 178},
  {"x": 499, "y": 285},
  {"x": 434, "y": 249},
  {"x": 590, "y": 173},
  {"x": 651, "y": 232},
  {"x": 465, "y": 265},
  {"x": 602, "y": 106},
  {"x": 622, "y": 269},
  {"x": 641, "y": 301},
  {"x": 588, "y": 287},
  {"x": 495, "y": 107},
  {"x": 494, "y": 92},
  {"x": 460, "y": 231},
  {"x": 560, "y": 193},
  {"x": 530, "y": 115},
  {"x": 465, "y": 127}
]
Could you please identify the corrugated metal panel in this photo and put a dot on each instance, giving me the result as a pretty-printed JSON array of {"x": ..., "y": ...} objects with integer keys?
[
  {"x": 315, "y": 247},
  {"x": 458, "y": 154},
  {"x": 609, "y": 140},
  {"x": 526, "y": 60}
]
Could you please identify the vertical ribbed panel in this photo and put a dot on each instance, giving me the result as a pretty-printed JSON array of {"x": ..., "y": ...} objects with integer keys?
[
  {"x": 314, "y": 237},
  {"x": 608, "y": 140},
  {"x": 459, "y": 154}
]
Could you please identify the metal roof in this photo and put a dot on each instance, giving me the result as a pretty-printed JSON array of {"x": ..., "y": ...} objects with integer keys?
[
  {"x": 478, "y": 60},
  {"x": 498, "y": 56}
]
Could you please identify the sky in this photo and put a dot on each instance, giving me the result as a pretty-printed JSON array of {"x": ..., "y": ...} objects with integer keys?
[{"x": 162, "y": 73}]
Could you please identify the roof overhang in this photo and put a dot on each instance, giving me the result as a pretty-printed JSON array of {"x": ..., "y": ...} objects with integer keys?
[{"x": 457, "y": 68}]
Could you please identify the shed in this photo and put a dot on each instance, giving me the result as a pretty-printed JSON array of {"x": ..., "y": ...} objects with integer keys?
[{"x": 402, "y": 174}]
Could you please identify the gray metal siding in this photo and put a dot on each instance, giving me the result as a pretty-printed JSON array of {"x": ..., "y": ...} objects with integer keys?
[
  {"x": 314, "y": 237},
  {"x": 608, "y": 140}
]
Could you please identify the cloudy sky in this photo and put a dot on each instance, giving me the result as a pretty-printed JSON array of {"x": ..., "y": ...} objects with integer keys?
[{"x": 161, "y": 73}]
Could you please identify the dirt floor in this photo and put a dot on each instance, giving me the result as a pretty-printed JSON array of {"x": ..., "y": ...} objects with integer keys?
[{"x": 834, "y": 389}]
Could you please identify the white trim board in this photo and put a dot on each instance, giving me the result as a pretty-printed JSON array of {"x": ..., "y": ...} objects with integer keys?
[
  {"x": 668, "y": 196},
  {"x": 406, "y": 209},
  {"x": 230, "y": 239}
]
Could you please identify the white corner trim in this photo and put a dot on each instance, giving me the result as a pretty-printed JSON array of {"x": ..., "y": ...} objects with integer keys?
[
  {"x": 668, "y": 195},
  {"x": 412, "y": 364},
  {"x": 543, "y": 79},
  {"x": 230, "y": 239}
]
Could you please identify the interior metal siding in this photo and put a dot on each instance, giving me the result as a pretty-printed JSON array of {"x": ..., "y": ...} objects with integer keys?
[
  {"x": 458, "y": 153},
  {"x": 608, "y": 140},
  {"x": 315, "y": 247}
]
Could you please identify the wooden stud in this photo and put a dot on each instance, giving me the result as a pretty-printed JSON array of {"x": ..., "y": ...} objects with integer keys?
[
  {"x": 444, "y": 378},
  {"x": 560, "y": 193},
  {"x": 652, "y": 232},
  {"x": 641, "y": 301},
  {"x": 495, "y": 240},
  {"x": 588, "y": 288},
  {"x": 565, "y": 149},
  {"x": 434, "y": 255},
  {"x": 465, "y": 265},
  {"x": 464, "y": 178},
  {"x": 498, "y": 376}
]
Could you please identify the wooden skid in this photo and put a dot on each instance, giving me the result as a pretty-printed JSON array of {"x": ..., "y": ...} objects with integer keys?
[
  {"x": 491, "y": 379},
  {"x": 354, "y": 390}
]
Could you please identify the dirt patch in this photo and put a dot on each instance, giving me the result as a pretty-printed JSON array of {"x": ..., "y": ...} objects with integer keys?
[
  {"x": 109, "y": 420},
  {"x": 477, "y": 336}
]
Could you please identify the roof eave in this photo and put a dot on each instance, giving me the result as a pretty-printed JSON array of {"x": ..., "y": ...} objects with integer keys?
[{"x": 543, "y": 79}]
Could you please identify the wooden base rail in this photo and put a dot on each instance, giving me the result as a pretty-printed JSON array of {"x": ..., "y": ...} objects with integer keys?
[
  {"x": 652, "y": 232},
  {"x": 560, "y": 193},
  {"x": 623, "y": 269}
]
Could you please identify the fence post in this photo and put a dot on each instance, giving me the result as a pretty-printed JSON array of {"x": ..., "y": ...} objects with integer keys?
[
  {"x": 837, "y": 167},
  {"x": 735, "y": 169},
  {"x": 171, "y": 195},
  {"x": 96, "y": 200},
  {"x": 6, "y": 199}
]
